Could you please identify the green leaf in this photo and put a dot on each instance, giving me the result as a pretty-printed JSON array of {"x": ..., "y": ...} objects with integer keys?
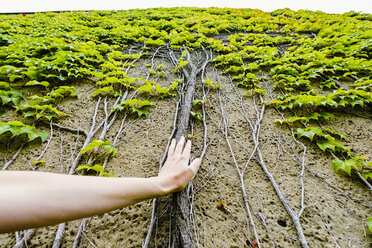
[
  {"x": 97, "y": 168},
  {"x": 131, "y": 102},
  {"x": 173, "y": 85},
  {"x": 145, "y": 103},
  {"x": 309, "y": 132},
  {"x": 334, "y": 133},
  {"x": 326, "y": 115},
  {"x": 109, "y": 148},
  {"x": 18, "y": 129},
  {"x": 197, "y": 115},
  {"x": 91, "y": 146},
  {"x": 200, "y": 102},
  {"x": 103, "y": 91},
  {"x": 182, "y": 62},
  {"x": 331, "y": 144},
  {"x": 33, "y": 74},
  {"x": 100, "y": 144},
  {"x": 4, "y": 85},
  {"x": 140, "y": 112},
  {"x": 4, "y": 128},
  {"x": 43, "y": 136},
  {"x": 38, "y": 163},
  {"x": 341, "y": 165},
  {"x": 367, "y": 175},
  {"x": 369, "y": 221},
  {"x": 34, "y": 83},
  {"x": 145, "y": 88},
  {"x": 348, "y": 165},
  {"x": 296, "y": 118},
  {"x": 281, "y": 121}
]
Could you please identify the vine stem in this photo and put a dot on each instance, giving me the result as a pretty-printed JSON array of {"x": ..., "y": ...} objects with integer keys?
[
  {"x": 294, "y": 216},
  {"x": 154, "y": 216},
  {"x": 241, "y": 175},
  {"x": 255, "y": 134},
  {"x": 61, "y": 227},
  {"x": 7, "y": 164},
  {"x": 106, "y": 125},
  {"x": 358, "y": 173},
  {"x": 70, "y": 129},
  {"x": 78, "y": 239},
  {"x": 59, "y": 235},
  {"x": 47, "y": 145},
  {"x": 26, "y": 237}
]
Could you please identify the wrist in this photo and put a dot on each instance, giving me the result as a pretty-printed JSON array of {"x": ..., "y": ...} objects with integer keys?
[{"x": 163, "y": 185}]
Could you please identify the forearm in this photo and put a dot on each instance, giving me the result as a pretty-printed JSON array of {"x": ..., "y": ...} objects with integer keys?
[
  {"x": 35, "y": 199},
  {"x": 31, "y": 199}
]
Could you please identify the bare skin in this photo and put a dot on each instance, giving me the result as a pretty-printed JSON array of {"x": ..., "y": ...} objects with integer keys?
[{"x": 36, "y": 199}]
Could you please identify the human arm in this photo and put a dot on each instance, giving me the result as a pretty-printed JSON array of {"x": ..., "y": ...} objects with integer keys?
[{"x": 35, "y": 199}]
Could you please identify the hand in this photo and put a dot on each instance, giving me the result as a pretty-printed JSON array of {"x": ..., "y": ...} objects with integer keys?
[{"x": 176, "y": 171}]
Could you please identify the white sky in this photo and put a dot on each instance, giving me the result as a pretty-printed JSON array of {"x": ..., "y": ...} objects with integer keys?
[{"x": 328, "y": 6}]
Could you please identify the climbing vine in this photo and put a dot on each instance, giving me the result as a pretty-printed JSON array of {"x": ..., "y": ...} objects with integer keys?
[{"x": 309, "y": 67}]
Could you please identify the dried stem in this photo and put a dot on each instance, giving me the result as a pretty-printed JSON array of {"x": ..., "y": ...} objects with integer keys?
[
  {"x": 241, "y": 175},
  {"x": 8, "y": 163}
]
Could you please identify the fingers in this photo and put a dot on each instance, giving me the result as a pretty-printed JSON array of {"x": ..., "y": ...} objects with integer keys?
[
  {"x": 171, "y": 147},
  {"x": 178, "y": 150},
  {"x": 187, "y": 150},
  {"x": 195, "y": 165}
]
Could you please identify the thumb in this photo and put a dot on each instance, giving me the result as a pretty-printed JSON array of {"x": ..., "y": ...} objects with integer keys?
[{"x": 195, "y": 165}]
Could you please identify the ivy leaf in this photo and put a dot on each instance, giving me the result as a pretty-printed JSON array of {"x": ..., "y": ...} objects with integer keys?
[
  {"x": 339, "y": 164},
  {"x": 140, "y": 112},
  {"x": 357, "y": 102},
  {"x": 4, "y": 128},
  {"x": 103, "y": 91},
  {"x": 333, "y": 145},
  {"x": 296, "y": 118},
  {"x": 38, "y": 163},
  {"x": 334, "y": 133},
  {"x": 348, "y": 165},
  {"x": 326, "y": 115},
  {"x": 326, "y": 144},
  {"x": 33, "y": 74},
  {"x": 141, "y": 104},
  {"x": 200, "y": 102},
  {"x": 131, "y": 102},
  {"x": 197, "y": 115},
  {"x": 4, "y": 85},
  {"x": 91, "y": 146},
  {"x": 97, "y": 168},
  {"x": 109, "y": 148},
  {"x": 35, "y": 83},
  {"x": 173, "y": 85},
  {"x": 145, "y": 88},
  {"x": 281, "y": 121},
  {"x": 366, "y": 175},
  {"x": 102, "y": 144},
  {"x": 309, "y": 132},
  {"x": 18, "y": 129},
  {"x": 43, "y": 136}
]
